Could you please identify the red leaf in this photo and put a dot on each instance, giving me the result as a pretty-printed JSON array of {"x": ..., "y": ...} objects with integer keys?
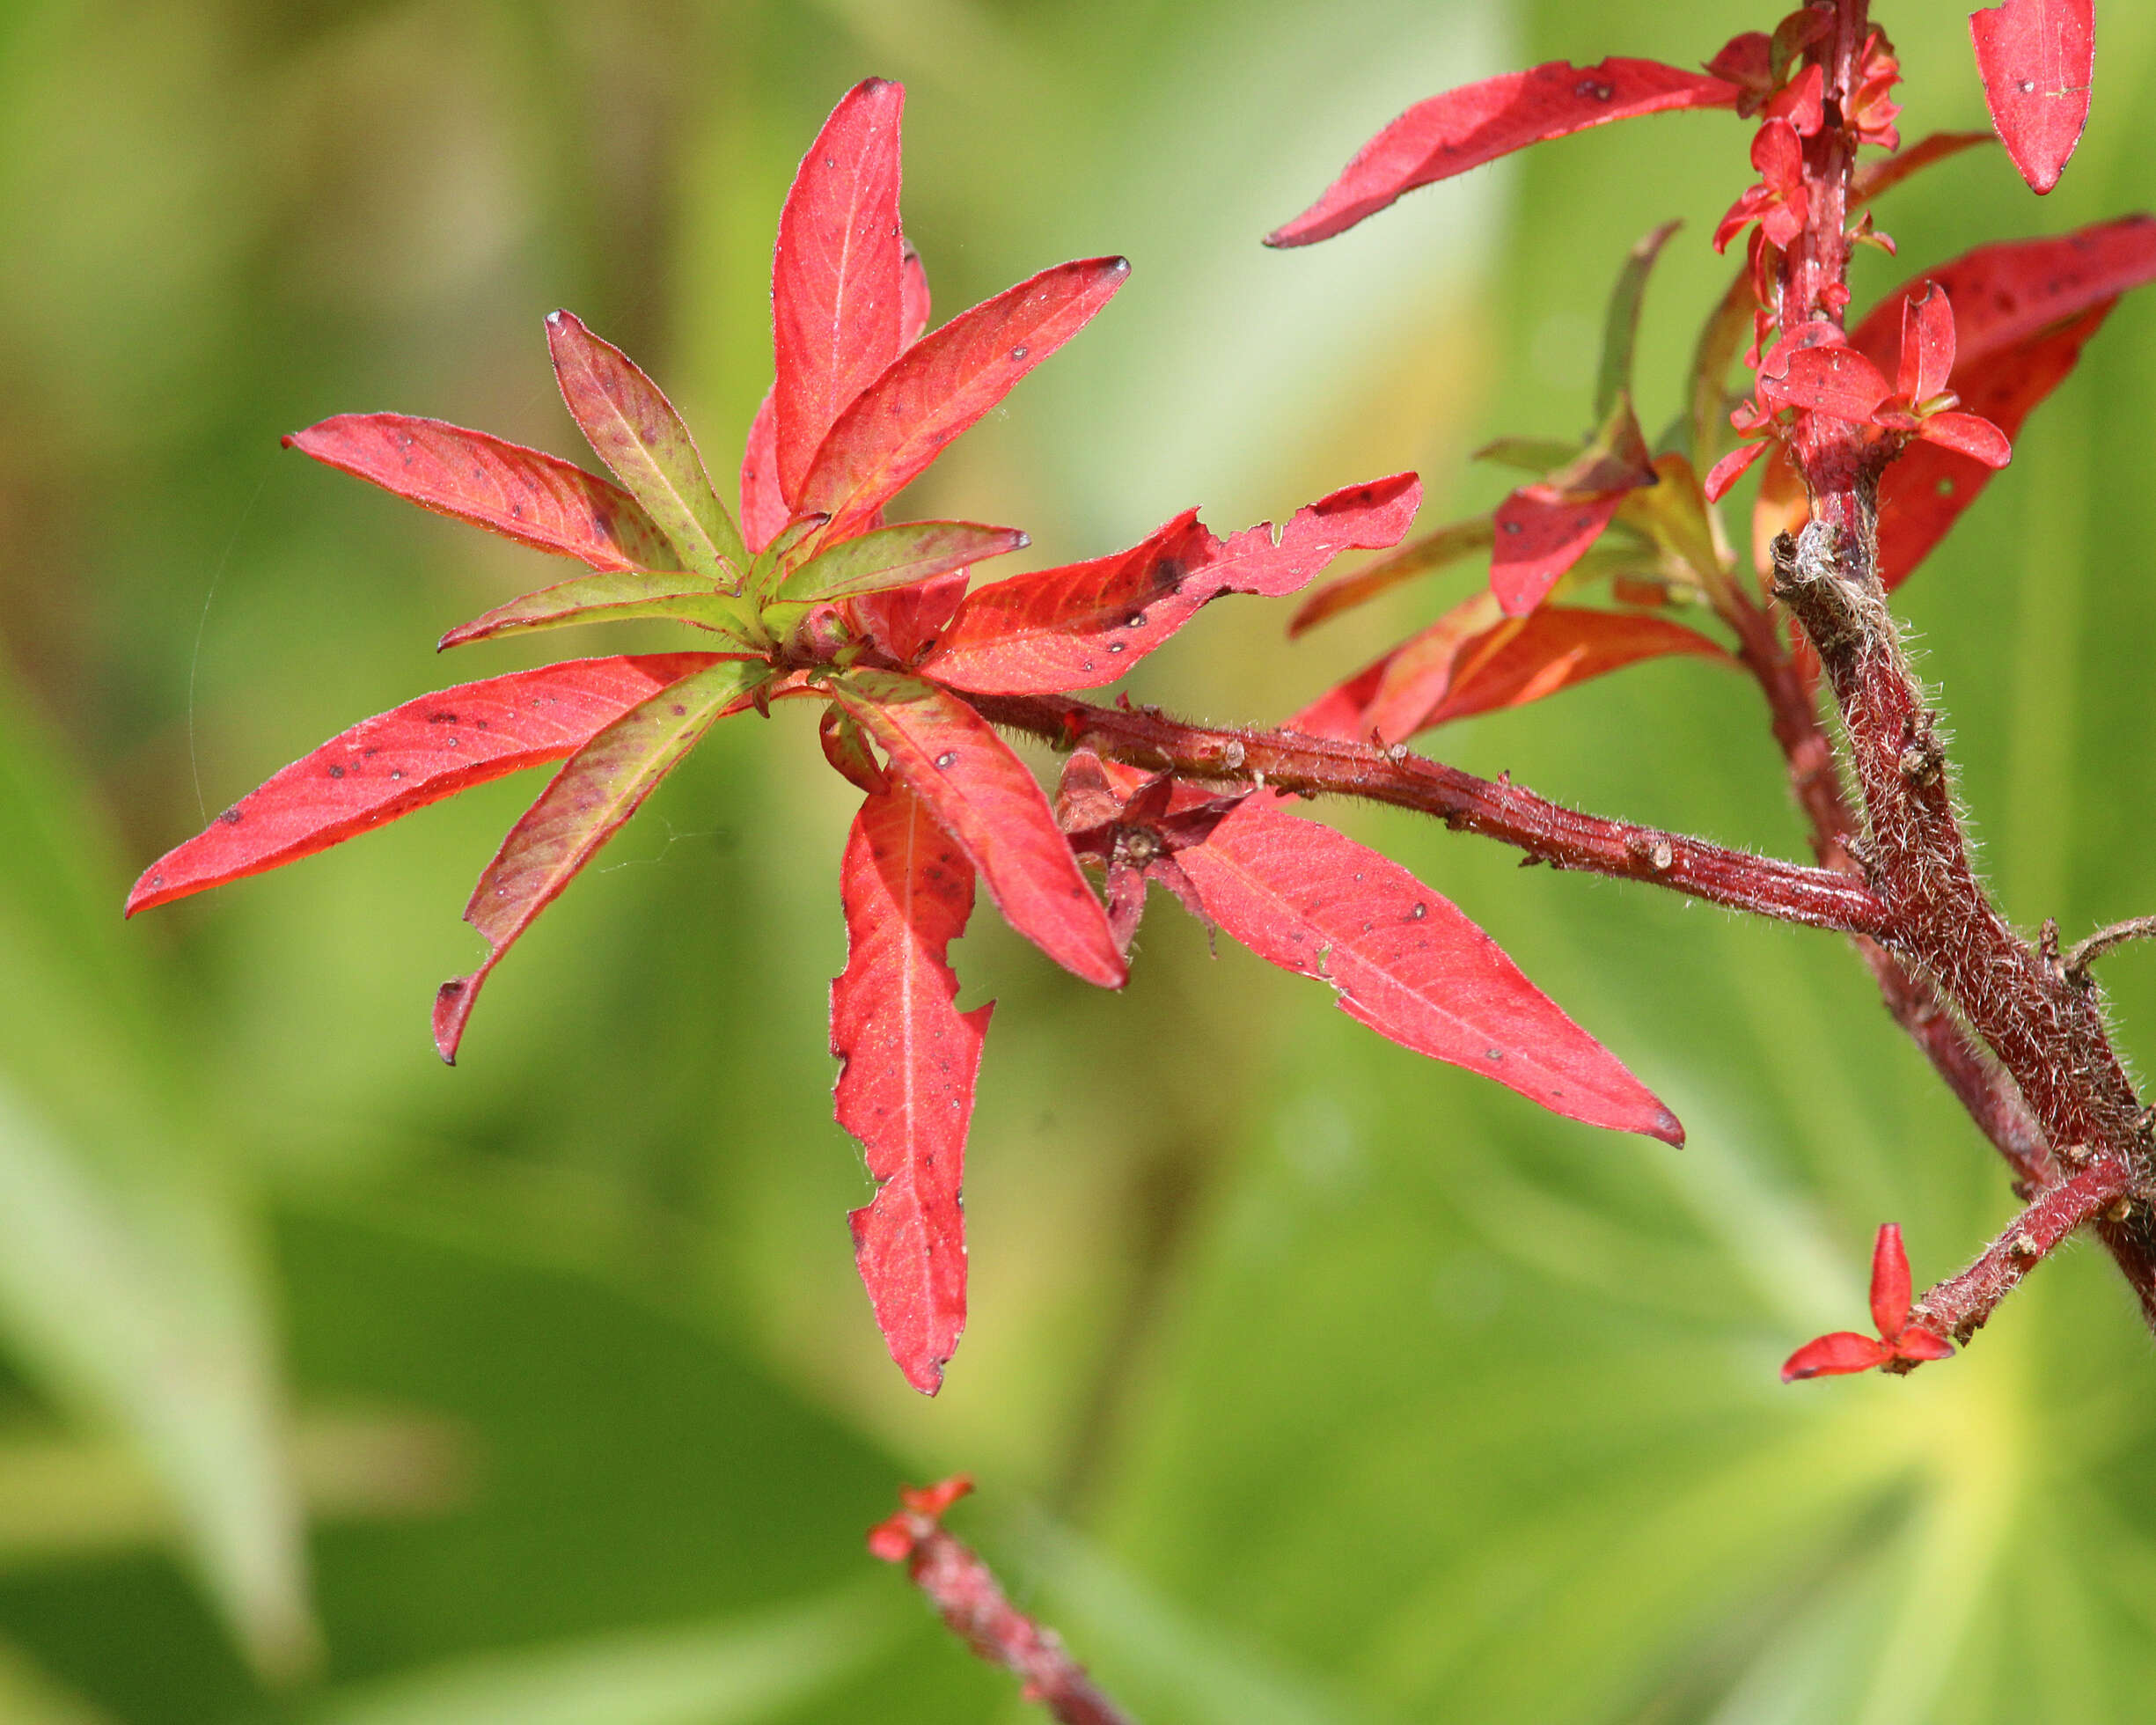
[
  {"x": 913, "y": 297},
  {"x": 535, "y": 499},
  {"x": 403, "y": 760},
  {"x": 1836, "y": 380},
  {"x": 1086, "y": 624},
  {"x": 615, "y": 595},
  {"x": 907, "y": 620},
  {"x": 905, "y": 1085},
  {"x": 1927, "y": 345},
  {"x": 601, "y": 786},
  {"x": 1406, "y": 963},
  {"x": 944, "y": 382},
  {"x": 1465, "y": 128},
  {"x": 1874, "y": 180},
  {"x": 637, "y": 433},
  {"x": 1831, "y": 1356},
  {"x": 985, "y": 798},
  {"x": 1977, "y": 439},
  {"x": 1541, "y": 532},
  {"x": 1890, "y": 1287},
  {"x": 1920, "y": 1344},
  {"x": 2037, "y": 57},
  {"x": 1731, "y": 468},
  {"x": 2004, "y": 294},
  {"x": 764, "y": 513},
  {"x": 1528, "y": 658},
  {"x": 836, "y": 275}
]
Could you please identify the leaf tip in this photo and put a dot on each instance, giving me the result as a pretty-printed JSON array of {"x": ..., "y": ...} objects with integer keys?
[
  {"x": 1668, "y": 1127},
  {"x": 452, "y": 1008}
]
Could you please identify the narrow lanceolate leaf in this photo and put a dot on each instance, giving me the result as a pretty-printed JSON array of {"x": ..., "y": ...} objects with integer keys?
[
  {"x": 1621, "y": 325},
  {"x": 913, "y": 303},
  {"x": 1874, "y": 180},
  {"x": 888, "y": 557},
  {"x": 837, "y": 275},
  {"x": 1085, "y": 624},
  {"x": 2037, "y": 57},
  {"x": 601, "y": 786},
  {"x": 534, "y": 498},
  {"x": 401, "y": 760},
  {"x": 764, "y": 511},
  {"x": 905, "y": 1083},
  {"x": 1451, "y": 543},
  {"x": 619, "y": 596},
  {"x": 982, "y": 794},
  {"x": 944, "y": 383},
  {"x": 1406, "y": 963},
  {"x": 1385, "y": 701},
  {"x": 637, "y": 433},
  {"x": 1834, "y": 1356},
  {"x": 1465, "y": 128}
]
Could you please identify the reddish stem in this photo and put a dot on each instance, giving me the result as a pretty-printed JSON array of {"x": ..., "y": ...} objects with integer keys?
[
  {"x": 1547, "y": 832},
  {"x": 966, "y": 1593},
  {"x": 1961, "y": 1305}
]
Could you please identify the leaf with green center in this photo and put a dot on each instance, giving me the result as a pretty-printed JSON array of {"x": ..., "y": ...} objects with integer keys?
[
  {"x": 942, "y": 384},
  {"x": 837, "y": 274},
  {"x": 403, "y": 760},
  {"x": 982, "y": 794},
  {"x": 1463, "y": 128},
  {"x": 523, "y": 495},
  {"x": 637, "y": 433},
  {"x": 1406, "y": 962},
  {"x": 600, "y": 787},
  {"x": 887, "y": 557},
  {"x": 905, "y": 1083},
  {"x": 1621, "y": 326},
  {"x": 619, "y": 596}
]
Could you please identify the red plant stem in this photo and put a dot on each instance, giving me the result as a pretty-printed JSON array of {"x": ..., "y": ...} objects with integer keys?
[
  {"x": 964, "y": 1590},
  {"x": 2047, "y": 1031},
  {"x": 1545, "y": 831},
  {"x": 1961, "y": 1305}
]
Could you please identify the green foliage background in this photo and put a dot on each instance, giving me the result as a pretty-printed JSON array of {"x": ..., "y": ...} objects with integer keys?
[{"x": 1307, "y": 1383}]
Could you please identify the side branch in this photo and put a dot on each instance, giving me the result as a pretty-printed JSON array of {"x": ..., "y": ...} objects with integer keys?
[
  {"x": 1961, "y": 1305},
  {"x": 965, "y": 1591},
  {"x": 1546, "y": 832}
]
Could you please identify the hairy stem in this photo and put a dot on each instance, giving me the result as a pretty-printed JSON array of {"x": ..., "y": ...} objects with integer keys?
[
  {"x": 1546, "y": 832},
  {"x": 1961, "y": 1305}
]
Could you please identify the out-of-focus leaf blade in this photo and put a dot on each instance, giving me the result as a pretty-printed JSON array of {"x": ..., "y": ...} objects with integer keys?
[
  {"x": 982, "y": 796},
  {"x": 1465, "y": 128},
  {"x": 406, "y": 758},
  {"x": 837, "y": 288},
  {"x": 1448, "y": 544},
  {"x": 908, "y": 1059},
  {"x": 1621, "y": 324},
  {"x": 764, "y": 512},
  {"x": 944, "y": 382},
  {"x": 600, "y": 787},
  {"x": 1405, "y": 961},
  {"x": 2037, "y": 57},
  {"x": 536, "y": 499},
  {"x": 638, "y": 434}
]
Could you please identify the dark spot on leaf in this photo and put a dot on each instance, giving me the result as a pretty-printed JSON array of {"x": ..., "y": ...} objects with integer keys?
[
  {"x": 336, "y": 772},
  {"x": 1135, "y": 620},
  {"x": 232, "y": 817},
  {"x": 1494, "y": 1055},
  {"x": 679, "y": 709},
  {"x": 948, "y": 759},
  {"x": 1118, "y": 646},
  {"x": 1595, "y": 89},
  {"x": 441, "y": 718},
  {"x": 1421, "y": 911},
  {"x": 831, "y": 161},
  {"x": 156, "y": 880},
  {"x": 2026, "y": 86},
  {"x": 1512, "y": 526},
  {"x": 1020, "y": 351},
  {"x": 395, "y": 772}
]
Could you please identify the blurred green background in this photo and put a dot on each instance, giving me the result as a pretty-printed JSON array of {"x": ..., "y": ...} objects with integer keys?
[{"x": 1305, "y": 1382}]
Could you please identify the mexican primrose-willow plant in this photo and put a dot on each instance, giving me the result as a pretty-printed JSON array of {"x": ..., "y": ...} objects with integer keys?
[{"x": 1871, "y": 438}]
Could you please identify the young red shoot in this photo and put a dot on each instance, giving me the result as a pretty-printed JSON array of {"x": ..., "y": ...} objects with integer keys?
[{"x": 1899, "y": 1346}]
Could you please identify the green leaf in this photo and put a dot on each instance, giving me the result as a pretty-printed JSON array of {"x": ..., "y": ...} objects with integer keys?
[
  {"x": 614, "y": 598},
  {"x": 1622, "y": 326},
  {"x": 1529, "y": 455},
  {"x": 130, "y": 1284},
  {"x": 897, "y": 557}
]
